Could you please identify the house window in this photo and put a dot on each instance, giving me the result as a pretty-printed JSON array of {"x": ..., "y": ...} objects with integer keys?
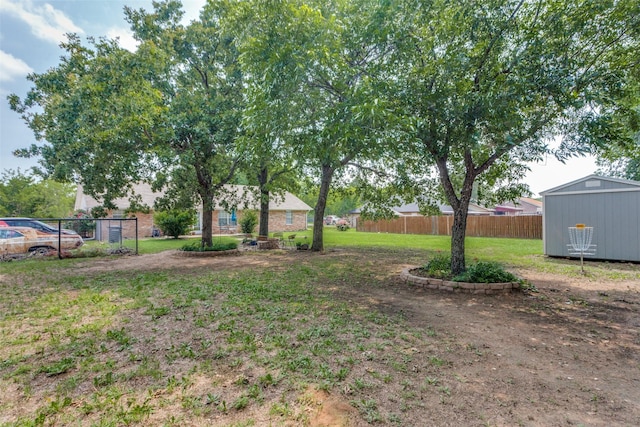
[
  {"x": 289, "y": 218},
  {"x": 226, "y": 219},
  {"x": 117, "y": 214}
]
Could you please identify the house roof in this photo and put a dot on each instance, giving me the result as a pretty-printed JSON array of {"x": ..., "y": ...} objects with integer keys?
[
  {"x": 237, "y": 193},
  {"x": 507, "y": 208},
  {"x": 413, "y": 208},
  {"x": 529, "y": 200},
  {"x": 520, "y": 205}
]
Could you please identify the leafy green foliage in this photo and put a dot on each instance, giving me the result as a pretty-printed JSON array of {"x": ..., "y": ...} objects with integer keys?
[
  {"x": 168, "y": 113},
  {"x": 319, "y": 76},
  {"x": 248, "y": 221},
  {"x": 22, "y": 194},
  {"x": 481, "y": 87},
  {"x": 439, "y": 266},
  {"x": 486, "y": 272},
  {"x": 99, "y": 212},
  {"x": 446, "y": 101},
  {"x": 174, "y": 222},
  {"x": 226, "y": 245},
  {"x": 82, "y": 227}
]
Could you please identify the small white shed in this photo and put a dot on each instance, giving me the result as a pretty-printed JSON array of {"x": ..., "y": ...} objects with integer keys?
[{"x": 610, "y": 205}]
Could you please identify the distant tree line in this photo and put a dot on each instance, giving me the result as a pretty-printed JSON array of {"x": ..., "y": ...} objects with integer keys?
[{"x": 23, "y": 194}]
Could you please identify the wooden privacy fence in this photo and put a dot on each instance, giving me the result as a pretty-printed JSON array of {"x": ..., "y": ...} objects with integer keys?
[{"x": 522, "y": 227}]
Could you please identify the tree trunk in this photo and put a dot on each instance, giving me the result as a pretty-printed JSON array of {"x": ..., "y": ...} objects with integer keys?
[
  {"x": 318, "y": 216},
  {"x": 207, "y": 225},
  {"x": 207, "y": 217},
  {"x": 460, "y": 208},
  {"x": 458, "y": 233},
  {"x": 459, "y": 228},
  {"x": 264, "y": 202}
]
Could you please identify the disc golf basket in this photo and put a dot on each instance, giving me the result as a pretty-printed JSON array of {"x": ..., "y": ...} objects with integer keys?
[{"x": 580, "y": 238}]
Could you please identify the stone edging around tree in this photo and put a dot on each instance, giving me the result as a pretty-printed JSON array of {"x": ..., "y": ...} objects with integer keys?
[
  {"x": 206, "y": 254},
  {"x": 461, "y": 287}
]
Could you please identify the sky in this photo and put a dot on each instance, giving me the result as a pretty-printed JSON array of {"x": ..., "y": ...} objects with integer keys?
[{"x": 30, "y": 34}]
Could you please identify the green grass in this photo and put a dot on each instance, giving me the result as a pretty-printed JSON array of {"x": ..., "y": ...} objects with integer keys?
[
  {"x": 512, "y": 253},
  {"x": 108, "y": 342},
  {"x": 506, "y": 250},
  {"x": 478, "y": 247},
  {"x": 153, "y": 245}
]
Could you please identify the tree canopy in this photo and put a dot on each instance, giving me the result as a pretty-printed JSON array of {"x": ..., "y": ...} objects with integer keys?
[
  {"x": 168, "y": 113},
  {"x": 23, "y": 194},
  {"x": 315, "y": 69}
]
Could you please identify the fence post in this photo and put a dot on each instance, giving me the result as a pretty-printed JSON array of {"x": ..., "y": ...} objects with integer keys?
[
  {"x": 136, "y": 235},
  {"x": 59, "y": 239}
]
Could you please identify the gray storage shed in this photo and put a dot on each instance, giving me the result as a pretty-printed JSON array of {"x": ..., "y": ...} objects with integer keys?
[{"x": 610, "y": 205}]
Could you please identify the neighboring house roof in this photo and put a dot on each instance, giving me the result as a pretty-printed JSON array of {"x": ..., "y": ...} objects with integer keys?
[
  {"x": 523, "y": 204},
  {"x": 507, "y": 207},
  {"x": 413, "y": 209},
  {"x": 286, "y": 202},
  {"x": 530, "y": 201}
]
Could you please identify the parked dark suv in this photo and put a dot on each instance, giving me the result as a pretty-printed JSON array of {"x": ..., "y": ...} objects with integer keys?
[{"x": 28, "y": 222}]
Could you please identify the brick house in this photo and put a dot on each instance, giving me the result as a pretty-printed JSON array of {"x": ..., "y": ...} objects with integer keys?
[{"x": 286, "y": 212}]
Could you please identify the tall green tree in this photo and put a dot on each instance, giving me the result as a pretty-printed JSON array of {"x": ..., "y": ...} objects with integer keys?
[
  {"x": 483, "y": 86},
  {"x": 201, "y": 82},
  {"x": 94, "y": 117},
  {"x": 314, "y": 68},
  {"x": 24, "y": 195},
  {"x": 16, "y": 194},
  {"x": 168, "y": 113},
  {"x": 622, "y": 118}
]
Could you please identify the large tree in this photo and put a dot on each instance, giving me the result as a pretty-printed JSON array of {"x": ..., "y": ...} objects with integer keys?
[
  {"x": 622, "y": 125},
  {"x": 483, "y": 86},
  {"x": 201, "y": 83},
  {"x": 22, "y": 194},
  {"x": 314, "y": 68},
  {"x": 168, "y": 113}
]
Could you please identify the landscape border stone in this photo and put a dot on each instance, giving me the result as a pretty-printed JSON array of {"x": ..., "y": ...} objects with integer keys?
[
  {"x": 206, "y": 254},
  {"x": 461, "y": 287}
]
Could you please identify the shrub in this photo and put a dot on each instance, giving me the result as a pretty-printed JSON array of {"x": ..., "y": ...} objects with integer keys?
[
  {"x": 486, "y": 272},
  {"x": 248, "y": 222},
  {"x": 438, "y": 267},
  {"x": 84, "y": 227},
  {"x": 174, "y": 222},
  {"x": 217, "y": 246},
  {"x": 99, "y": 212},
  {"x": 342, "y": 227}
]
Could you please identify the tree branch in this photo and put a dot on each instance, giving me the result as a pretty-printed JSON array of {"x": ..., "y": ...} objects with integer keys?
[{"x": 370, "y": 169}]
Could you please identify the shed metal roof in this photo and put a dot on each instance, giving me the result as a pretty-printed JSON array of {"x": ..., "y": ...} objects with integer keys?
[{"x": 592, "y": 183}]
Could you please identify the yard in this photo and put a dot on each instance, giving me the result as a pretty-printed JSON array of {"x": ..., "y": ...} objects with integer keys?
[{"x": 297, "y": 338}]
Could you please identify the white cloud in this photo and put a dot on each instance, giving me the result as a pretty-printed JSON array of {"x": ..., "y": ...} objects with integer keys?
[
  {"x": 46, "y": 22},
  {"x": 125, "y": 37},
  {"x": 12, "y": 67},
  {"x": 192, "y": 9}
]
